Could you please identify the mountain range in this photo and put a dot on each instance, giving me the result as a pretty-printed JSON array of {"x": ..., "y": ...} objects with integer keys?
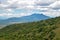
[{"x": 30, "y": 18}]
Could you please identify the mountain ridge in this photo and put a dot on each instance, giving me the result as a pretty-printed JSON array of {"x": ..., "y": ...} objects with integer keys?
[{"x": 31, "y": 18}]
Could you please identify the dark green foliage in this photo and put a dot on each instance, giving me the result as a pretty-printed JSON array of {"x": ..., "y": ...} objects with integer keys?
[{"x": 41, "y": 30}]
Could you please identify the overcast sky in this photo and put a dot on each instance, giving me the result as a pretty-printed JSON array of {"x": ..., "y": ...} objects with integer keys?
[{"x": 19, "y": 8}]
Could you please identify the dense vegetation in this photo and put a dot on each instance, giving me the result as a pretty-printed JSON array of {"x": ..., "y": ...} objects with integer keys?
[{"x": 42, "y": 30}]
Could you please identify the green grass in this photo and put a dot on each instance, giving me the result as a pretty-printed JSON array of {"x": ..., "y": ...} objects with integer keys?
[{"x": 42, "y": 30}]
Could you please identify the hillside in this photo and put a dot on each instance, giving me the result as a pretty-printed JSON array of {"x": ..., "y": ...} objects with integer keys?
[{"x": 42, "y": 30}]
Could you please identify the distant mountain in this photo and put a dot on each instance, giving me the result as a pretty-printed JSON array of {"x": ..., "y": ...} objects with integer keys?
[{"x": 31, "y": 18}]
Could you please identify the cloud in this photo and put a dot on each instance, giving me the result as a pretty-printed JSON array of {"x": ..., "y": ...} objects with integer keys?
[
  {"x": 49, "y": 8},
  {"x": 44, "y": 2},
  {"x": 9, "y": 15},
  {"x": 8, "y": 10},
  {"x": 3, "y": 5},
  {"x": 52, "y": 13},
  {"x": 55, "y": 5}
]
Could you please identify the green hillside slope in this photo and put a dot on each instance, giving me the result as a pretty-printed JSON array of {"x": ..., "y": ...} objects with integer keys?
[{"x": 41, "y": 30}]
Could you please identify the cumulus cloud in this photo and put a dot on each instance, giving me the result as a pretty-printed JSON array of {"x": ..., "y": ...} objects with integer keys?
[
  {"x": 19, "y": 4},
  {"x": 44, "y": 2},
  {"x": 55, "y": 5},
  {"x": 9, "y": 15},
  {"x": 49, "y": 8},
  {"x": 52, "y": 13}
]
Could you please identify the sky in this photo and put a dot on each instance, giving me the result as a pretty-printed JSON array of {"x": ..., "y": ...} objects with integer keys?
[{"x": 19, "y": 8}]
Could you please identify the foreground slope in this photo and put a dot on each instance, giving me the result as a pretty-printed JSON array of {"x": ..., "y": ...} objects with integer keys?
[{"x": 41, "y": 30}]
